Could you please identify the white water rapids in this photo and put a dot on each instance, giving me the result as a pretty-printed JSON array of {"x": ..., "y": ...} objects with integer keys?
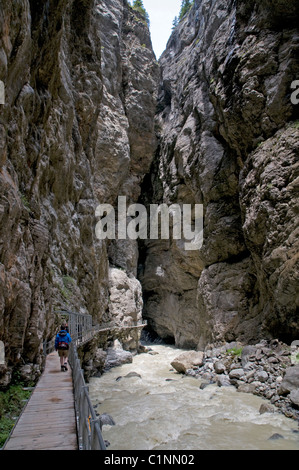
[{"x": 155, "y": 413}]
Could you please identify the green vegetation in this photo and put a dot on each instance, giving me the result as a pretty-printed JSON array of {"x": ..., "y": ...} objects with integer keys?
[
  {"x": 235, "y": 352},
  {"x": 68, "y": 283},
  {"x": 25, "y": 202},
  {"x": 12, "y": 401},
  {"x": 185, "y": 7},
  {"x": 138, "y": 6}
]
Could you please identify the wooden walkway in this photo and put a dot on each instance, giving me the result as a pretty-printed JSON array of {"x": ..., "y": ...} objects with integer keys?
[{"x": 48, "y": 421}]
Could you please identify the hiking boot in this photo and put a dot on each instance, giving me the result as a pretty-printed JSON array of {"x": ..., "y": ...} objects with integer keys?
[
  {"x": 62, "y": 368},
  {"x": 65, "y": 366}
]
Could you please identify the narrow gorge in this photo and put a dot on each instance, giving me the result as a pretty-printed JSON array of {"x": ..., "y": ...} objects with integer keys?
[{"x": 91, "y": 115}]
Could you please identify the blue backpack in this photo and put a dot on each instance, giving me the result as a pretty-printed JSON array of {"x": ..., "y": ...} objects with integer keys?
[{"x": 63, "y": 340}]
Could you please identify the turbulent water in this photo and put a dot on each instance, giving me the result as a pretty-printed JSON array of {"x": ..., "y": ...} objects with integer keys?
[{"x": 163, "y": 410}]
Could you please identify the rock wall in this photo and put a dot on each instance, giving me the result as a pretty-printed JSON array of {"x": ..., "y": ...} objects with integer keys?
[
  {"x": 228, "y": 139},
  {"x": 76, "y": 130}
]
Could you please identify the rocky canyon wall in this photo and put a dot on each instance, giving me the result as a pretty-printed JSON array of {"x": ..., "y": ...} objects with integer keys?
[
  {"x": 228, "y": 139},
  {"x": 76, "y": 130},
  {"x": 85, "y": 121}
]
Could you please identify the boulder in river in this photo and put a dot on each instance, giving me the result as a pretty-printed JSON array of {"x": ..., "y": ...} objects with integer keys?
[
  {"x": 290, "y": 381},
  {"x": 188, "y": 360},
  {"x": 294, "y": 397},
  {"x": 116, "y": 356},
  {"x": 266, "y": 408}
]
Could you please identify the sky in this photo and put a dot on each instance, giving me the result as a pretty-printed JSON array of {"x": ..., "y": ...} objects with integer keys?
[{"x": 162, "y": 14}]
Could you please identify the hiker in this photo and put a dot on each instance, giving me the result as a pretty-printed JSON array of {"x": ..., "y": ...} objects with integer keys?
[
  {"x": 62, "y": 344},
  {"x": 64, "y": 326}
]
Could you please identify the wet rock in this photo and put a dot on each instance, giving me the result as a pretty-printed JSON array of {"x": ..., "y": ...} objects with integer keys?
[
  {"x": 266, "y": 408},
  {"x": 117, "y": 357},
  {"x": 247, "y": 388},
  {"x": 191, "y": 373},
  {"x": 106, "y": 420},
  {"x": 204, "y": 385},
  {"x": 143, "y": 349},
  {"x": 188, "y": 360},
  {"x": 132, "y": 374},
  {"x": 275, "y": 437},
  {"x": 223, "y": 380}
]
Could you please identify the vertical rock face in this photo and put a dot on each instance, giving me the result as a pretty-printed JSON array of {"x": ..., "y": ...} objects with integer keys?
[
  {"x": 228, "y": 140},
  {"x": 76, "y": 130}
]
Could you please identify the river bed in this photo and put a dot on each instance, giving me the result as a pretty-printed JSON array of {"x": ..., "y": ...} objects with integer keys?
[{"x": 164, "y": 410}]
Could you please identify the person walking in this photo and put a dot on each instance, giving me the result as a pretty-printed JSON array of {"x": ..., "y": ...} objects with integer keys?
[{"x": 62, "y": 345}]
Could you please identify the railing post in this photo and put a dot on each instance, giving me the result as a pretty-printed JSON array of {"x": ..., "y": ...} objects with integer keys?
[{"x": 88, "y": 429}]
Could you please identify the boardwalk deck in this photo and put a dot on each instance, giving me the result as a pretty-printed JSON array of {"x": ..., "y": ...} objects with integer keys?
[{"x": 48, "y": 421}]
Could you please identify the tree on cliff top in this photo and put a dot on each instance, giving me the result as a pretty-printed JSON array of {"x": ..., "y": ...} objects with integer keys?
[
  {"x": 138, "y": 6},
  {"x": 185, "y": 7}
]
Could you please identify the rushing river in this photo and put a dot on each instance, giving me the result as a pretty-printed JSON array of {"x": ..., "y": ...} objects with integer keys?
[{"x": 164, "y": 410}]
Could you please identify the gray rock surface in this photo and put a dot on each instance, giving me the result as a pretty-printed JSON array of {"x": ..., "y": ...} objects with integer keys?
[
  {"x": 77, "y": 130},
  {"x": 187, "y": 360},
  {"x": 228, "y": 139},
  {"x": 290, "y": 381}
]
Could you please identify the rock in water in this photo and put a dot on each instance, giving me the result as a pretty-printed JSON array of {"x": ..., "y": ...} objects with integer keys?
[
  {"x": 106, "y": 419},
  {"x": 275, "y": 437},
  {"x": 266, "y": 408},
  {"x": 132, "y": 374},
  {"x": 117, "y": 357},
  {"x": 187, "y": 360}
]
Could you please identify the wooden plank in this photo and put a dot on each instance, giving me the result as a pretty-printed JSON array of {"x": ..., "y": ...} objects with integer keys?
[{"x": 48, "y": 421}]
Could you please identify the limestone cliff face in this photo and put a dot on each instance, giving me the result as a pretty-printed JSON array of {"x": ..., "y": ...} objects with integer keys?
[
  {"x": 76, "y": 130},
  {"x": 228, "y": 139}
]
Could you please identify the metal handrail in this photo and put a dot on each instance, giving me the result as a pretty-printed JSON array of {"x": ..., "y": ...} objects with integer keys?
[{"x": 88, "y": 424}]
